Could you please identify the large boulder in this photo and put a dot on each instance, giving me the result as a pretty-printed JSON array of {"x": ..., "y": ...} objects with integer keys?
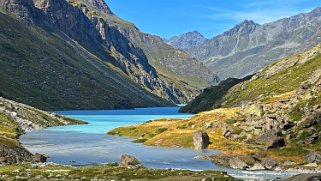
[
  {"x": 237, "y": 163},
  {"x": 253, "y": 109},
  {"x": 201, "y": 140},
  {"x": 39, "y": 158},
  {"x": 257, "y": 166},
  {"x": 128, "y": 161},
  {"x": 271, "y": 139},
  {"x": 269, "y": 164},
  {"x": 313, "y": 158}
]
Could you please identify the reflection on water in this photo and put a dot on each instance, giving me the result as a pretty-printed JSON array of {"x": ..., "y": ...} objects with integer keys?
[{"x": 89, "y": 144}]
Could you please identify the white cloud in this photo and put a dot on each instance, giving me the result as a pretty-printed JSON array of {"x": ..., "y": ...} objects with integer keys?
[{"x": 260, "y": 11}]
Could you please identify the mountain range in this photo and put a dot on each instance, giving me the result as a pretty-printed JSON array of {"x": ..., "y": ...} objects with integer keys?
[
  {"x": 77, "y": 54},
  {"x": 248, "y": 47}
]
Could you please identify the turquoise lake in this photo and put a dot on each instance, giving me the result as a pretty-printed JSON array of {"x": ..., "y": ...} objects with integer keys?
[{"x": 89, "y": 144}]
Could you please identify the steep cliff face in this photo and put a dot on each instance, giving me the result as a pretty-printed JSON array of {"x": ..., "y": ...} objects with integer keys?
[
  {"x": 248, "y": 47},
  {"x": 52, "y": 69},
  {"x": 88, "y": 28},
  {"x": 167, "y": 71}
]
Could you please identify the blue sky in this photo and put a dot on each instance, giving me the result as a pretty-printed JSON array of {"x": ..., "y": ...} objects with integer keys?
[{"x": 168, "y": 18}]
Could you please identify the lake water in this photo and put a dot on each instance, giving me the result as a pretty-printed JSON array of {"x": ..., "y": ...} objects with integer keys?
[{"x": 89, "y": 144}]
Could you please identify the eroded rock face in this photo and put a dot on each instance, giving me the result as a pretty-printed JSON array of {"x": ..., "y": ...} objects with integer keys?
[
  {"x": 129, "y": 161},
  {"x": 201, "y": 140}
]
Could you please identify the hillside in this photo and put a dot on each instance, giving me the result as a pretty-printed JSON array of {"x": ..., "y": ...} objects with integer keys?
[
  {"x": 281, "y": 77},
  {"x": 273, "y": 116},
  {"x": 16, "y": 119},
  {"x": 82, "y": 61},
  {"x": 46, "y": 73},
  {"x": 248, "y": 47},
  {"x": 172, "y": 64}
]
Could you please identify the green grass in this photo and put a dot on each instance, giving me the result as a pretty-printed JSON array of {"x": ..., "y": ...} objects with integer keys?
[
  {"x": 292, "y": 77},
  {"x": 107, "y": 172},
  {"x": 212, "y": 97}
]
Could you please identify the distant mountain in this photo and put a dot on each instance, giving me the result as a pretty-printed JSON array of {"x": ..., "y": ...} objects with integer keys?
[
  {"x": 77, "y": 54},
  {"x": 187, "y": 41},
  {"x": 248, "y": 47}
]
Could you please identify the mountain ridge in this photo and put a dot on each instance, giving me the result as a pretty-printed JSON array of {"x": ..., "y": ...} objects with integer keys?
[{"x": 248, "y": 46}]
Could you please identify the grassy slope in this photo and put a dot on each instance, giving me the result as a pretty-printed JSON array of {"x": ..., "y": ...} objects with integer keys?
[
  {"x": 107, "y": 172},
  {"x": 284, "y": 80},
  {"x": 211, "y": 97},
  {"x": 179, "y": 132},
  {"x": 40, "y": 69}
]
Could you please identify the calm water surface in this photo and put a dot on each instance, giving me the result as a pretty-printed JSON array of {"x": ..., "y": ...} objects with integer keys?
[{"x": 89, "y": 144}]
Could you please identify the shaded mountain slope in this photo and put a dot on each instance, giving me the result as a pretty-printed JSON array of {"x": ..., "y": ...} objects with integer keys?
[
  {"x": 77, "y": 45},
  {"x": 41, "y": 69}
]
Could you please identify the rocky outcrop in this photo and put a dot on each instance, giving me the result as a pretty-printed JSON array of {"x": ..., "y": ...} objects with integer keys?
[
  {"x": 201, "y": 140},
  {"x": 128, "y": 161}
]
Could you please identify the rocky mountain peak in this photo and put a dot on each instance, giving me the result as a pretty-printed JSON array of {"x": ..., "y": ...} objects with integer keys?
[
  {"x": 100, "y": 5},
  {"x": 247, "y": 26},
  {"x": 187, "y": 40}
]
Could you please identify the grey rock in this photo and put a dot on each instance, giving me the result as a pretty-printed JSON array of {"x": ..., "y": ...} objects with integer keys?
[
  {"x": 236, "y": 163},
  {"x": 313, "y": 157},
  {"x": 3, "y": 160},
  {"x": 128, "y": 161},
  {"x": 269, "y": 164},
  {"x": 271, "y": 139},
  {"x": 201, "y": 140},
  {"x": 277, "y": 142},
  {"x": 39, "y": 158},
  {"x": 257, "y": 166}
]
